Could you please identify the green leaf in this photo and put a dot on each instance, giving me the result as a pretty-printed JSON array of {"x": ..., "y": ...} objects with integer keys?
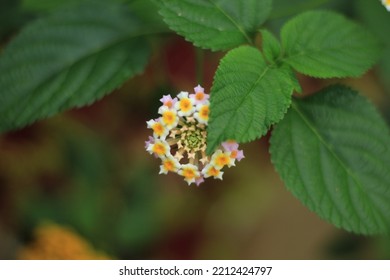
[
  {"x": 247, "y": 96},
  {"x": 147, "y": 11},
  {"x": 215, "y": 24},
  {"x": 68, "y": 59},
  {"x": 272, "y": 53},
  {"x": 270, "y": 46},
  {"x": 325, "y": 44},
  {"x": 283, "y": 8},
  {"x": 294, "y": 81},
  {"x": 283, "y": 11},
  {"x": 332, "y": 150}
]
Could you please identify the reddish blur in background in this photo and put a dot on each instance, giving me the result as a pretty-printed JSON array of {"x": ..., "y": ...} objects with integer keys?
[{"x": 80, "y": 185}]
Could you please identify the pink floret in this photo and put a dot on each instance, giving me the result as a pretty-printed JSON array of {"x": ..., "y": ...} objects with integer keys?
[
  {"x": 230, "y": 146},
  {"x": 240, "y": 155},
  {"x": 168, "y": 101},
  {"x": 150, "y": 141},
  {"x": 199, "y": 180}
]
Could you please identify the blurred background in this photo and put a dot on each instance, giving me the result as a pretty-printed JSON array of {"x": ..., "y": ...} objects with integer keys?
[{"x": 80, "y": 185}]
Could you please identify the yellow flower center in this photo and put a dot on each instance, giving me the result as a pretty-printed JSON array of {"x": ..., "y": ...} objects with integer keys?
[
  {"x": 222, "y": 160},
  {"x": 199, "y": 96},
  {"x": 158, "y": 129},
  {"x": 233, "y": 154},
  {"x": 189, "y": 173},
  {"x": 213, "y": 171},
  {"x": 168, "y": 165},
  {"x": 159, "y": 149},
  {"x": 185, "y": 105},
  {"x": 204, "y": 112},
  {"x": 169, "y": 117}
]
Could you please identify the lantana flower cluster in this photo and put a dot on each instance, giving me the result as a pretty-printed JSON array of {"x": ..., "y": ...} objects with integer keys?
[{"x": 179, "y": 139}]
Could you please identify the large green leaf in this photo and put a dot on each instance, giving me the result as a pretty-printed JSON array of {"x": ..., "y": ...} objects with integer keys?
[
  {"x": 325, "y": 44},
  {"x": 332, "y": 150},
  {"x": 68, "y": 59},
  {"x": 215, "y": 24},
  {"x": 248, "y": 95}
]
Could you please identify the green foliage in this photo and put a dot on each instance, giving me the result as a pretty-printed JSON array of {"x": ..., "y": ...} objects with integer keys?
[
  {"x": 215, "y": 24},
  {"x": 375, "y": 16},
  {"x": 283, "y": 8},
  {"x": 377, "y": 19},
  {"x": 332, "y": 151},
  {"x": 325, "y": 44},
  {"x": 247, "y": 96},
  {"x": 68, "y": 59},
  {"x": 147, "y": 11},
  {"x": 270, "y": 45}
]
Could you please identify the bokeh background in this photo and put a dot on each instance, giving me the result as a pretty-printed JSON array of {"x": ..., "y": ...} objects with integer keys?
[{"x": 80, "y": 185}]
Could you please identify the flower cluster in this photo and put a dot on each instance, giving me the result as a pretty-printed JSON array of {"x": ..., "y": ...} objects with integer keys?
[
  {"x": 179, "y": 139},
  {"x": 386, "y": 3}
]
